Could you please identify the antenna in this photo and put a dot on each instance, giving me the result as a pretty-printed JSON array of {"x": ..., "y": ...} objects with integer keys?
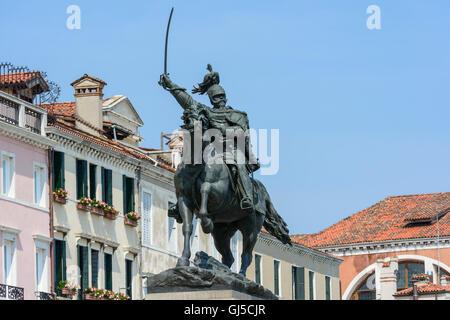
[{"x": 437, "y": 248}]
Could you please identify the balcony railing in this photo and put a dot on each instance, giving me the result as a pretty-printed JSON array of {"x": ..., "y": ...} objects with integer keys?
[
  {"x": 11, "y": 292},
  {"x": 21, "y": 113},
  {"x": 45, "y": 296}
]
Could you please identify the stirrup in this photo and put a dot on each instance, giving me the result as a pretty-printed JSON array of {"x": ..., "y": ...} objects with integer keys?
[{"x": 248, "y": 206}]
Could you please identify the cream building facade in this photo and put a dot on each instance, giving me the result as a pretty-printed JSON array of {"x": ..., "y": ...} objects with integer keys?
[{"x": 294, "y": 273}]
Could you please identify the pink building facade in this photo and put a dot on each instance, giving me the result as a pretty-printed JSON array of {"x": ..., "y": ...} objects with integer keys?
[{"x": 25, "y": 240}]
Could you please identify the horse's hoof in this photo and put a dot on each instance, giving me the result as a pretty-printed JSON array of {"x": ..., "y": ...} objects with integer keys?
[
  {"x": 207, "y": 226},
  {"x": 183, "y": 262}
]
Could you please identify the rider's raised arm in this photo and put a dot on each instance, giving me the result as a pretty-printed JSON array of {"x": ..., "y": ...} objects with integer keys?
[{"x": 183, "y": 98}]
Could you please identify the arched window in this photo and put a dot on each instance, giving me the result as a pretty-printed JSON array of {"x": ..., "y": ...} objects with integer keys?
[
  {"x": 366, "y": 290},
  {"x": 406, "y": 269}
]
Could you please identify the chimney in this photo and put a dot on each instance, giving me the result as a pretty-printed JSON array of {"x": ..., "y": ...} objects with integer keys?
[
  {"x": 388, "y": 277},
  {"x": 89, "y": 103}
]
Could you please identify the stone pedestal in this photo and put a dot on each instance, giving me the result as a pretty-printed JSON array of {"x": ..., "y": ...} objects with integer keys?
[
  {"x": 208, "y": 279},
  {"x": 202, "y": 295}
]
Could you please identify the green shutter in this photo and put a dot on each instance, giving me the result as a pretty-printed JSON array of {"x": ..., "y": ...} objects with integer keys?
[
  {"x": 257, "y": 268},
  {"x": 58, "y": 170},
  {"x": 327, "y": 288},
  {"x": 81, "y": 173},
  {"x": 276, "y": 273},
  {"x": 103, "y": 185},
  {"x": 93, "y": 181},
  {"x": 131, "y": 187},
  {"x": 94, "y": 268},
  {"x": 311, "y": 285},
  {"x": 129, "y": 277},
  {"x": 299, "y": 283},
  {"x": 84, "y": 267},
  {"x": 108, "y": 271},
  {"x": 125, "y": 194},
  {"x": 109, "y": 187}
]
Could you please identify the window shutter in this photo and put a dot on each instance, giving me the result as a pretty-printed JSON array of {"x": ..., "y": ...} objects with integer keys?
[
  {"x": 108, "y": 271},
  {"x": 276, "y": 274},
  {"x": 93, "y": 181},
  {"x": 79, "y": 178},
  {"x": 327, "y": 288},
  {"x": 299, "y": 282},
  {"x": 62, "y": 171},
  {"x": 129, "y": 274},
  {"x": 131, "y": 187},
  {"x": 257, "y": 268},
  {"x": 109, "y": 187},
  {"x": 103, "y": 185},
  {"x": 85, "y": 178},
  {"x": 94, "y": 268},
  {"x": 125, "y": 194}
]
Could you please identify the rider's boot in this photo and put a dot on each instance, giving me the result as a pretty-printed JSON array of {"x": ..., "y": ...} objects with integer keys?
[{"x": 246, "y": 188}]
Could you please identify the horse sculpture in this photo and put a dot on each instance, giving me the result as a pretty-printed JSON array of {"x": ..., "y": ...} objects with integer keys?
[{"x": 209, "y": 191}]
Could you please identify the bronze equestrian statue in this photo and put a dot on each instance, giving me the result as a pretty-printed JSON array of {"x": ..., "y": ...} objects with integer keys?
[{"x": 220, "y": 193}]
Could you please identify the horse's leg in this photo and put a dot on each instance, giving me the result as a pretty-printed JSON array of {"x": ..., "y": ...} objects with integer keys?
[
  {"x": 222, "y": 234},
  {"x": 249, "y": 228},
  {"x": 206, "y": 223},
  {"x": 186, "y": 215}
]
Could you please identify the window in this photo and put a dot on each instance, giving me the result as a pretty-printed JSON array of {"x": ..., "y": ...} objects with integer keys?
[
  {"x": 257, "y": 268},
  {"x": 84, "y": 267},
  {"x": 94, "y": 268},
  {"x": 39, "y": 184},
  {"x": 128, "y": 194},
  {"x": 9, "y": 260},
  {"x": 108, "y": 271},
  {"x": 58, "y": 170},
  {"x": 41, "y": 270},
  {"x": 298, "y": 283},
  {"x": 60, "y": 261},
  {"x": 129, "y": 277},
  {"x": 327, "y": 288},
  {"x": 172, "y": 232},
  {"x": 276, "y": 277},
  {"x": 405, "y": 272},
  {"x": 107, "y": 186},
  {"x": 93, "y": 181},
  {"x": 8, "y": 173},
  {"x": 366, "y": 290},
  {"x": 81, "y": 174},
  {"x": 146, "y": 219},
  {"x": 311, "y": 285}
]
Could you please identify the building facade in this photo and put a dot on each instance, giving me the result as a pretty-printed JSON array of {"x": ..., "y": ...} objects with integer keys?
[
  {"x": 294, "y": 273},
  {"x": 411, "y": 233},
  {"x": 25, "y": 258}
]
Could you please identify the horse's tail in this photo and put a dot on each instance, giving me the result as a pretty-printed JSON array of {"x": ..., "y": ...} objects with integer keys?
[{"x": 273, "y": 222}]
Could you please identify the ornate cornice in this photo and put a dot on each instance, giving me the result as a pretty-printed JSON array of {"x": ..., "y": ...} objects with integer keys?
[
  {"x": 386, "y": 246},
  {"x": 25, "y": 135},
  {"x": 314, "y": 255}
]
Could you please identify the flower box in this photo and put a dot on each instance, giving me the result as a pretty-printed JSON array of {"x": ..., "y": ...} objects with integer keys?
[
  {"x": 97, "y": 211},
  {"x": 59, "y": 199},
  {"x": 68, "y": 292},
  {"x": 110, "y": 216},
  {"x": 90, "y": 297},
  {"x": 130, "y": 222},
  {"x": 83, "y": 207}
]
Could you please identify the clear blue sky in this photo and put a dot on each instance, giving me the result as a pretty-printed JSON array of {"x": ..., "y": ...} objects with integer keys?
[{"x": 362, "y": 114}]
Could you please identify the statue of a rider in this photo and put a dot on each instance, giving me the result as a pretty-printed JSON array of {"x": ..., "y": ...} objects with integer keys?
[{"x": 224, "y": 118}]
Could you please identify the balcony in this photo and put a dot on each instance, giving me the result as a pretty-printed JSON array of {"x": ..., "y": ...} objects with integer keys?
[
  {"x": 21, "y": 113},
  {"x": 11, "y": 292},
  {"x": 45, "y": 296}
]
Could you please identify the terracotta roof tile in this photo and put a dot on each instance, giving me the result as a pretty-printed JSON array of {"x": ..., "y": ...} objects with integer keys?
[
  {"x": 389, "y": 219},
  {"x": 426, "y": 288},
  {"x": 66, "y": 109},
  {"x": 20, "y": 77}
]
